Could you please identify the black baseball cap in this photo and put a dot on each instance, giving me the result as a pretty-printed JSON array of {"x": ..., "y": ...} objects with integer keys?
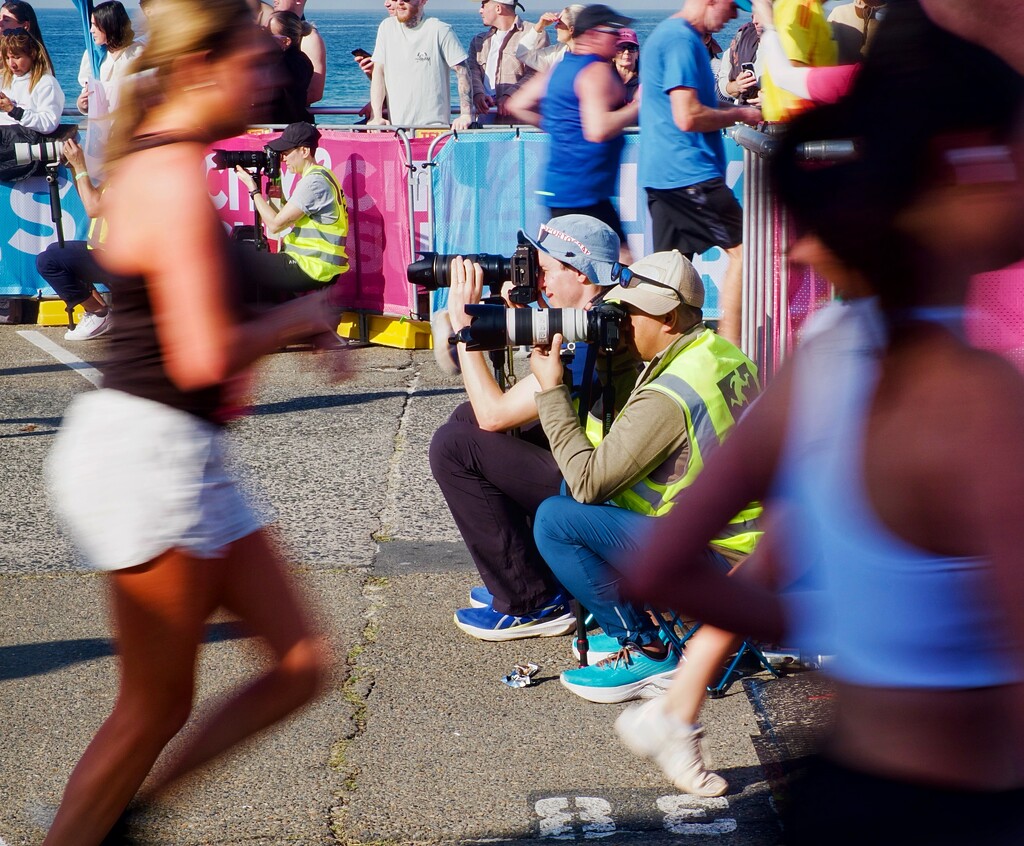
[
  {"x": 296, "y": 135},
  {"x": 599, "y": 15}
]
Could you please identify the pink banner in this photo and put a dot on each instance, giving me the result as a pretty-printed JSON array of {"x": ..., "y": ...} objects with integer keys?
[{"x": 373, "y": 175}]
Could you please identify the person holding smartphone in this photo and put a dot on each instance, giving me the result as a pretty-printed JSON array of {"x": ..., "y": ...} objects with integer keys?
[{"x": 739, "y": 74}]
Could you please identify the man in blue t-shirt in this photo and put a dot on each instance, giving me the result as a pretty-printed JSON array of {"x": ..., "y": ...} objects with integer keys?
[{"x": 682, "y": 156}]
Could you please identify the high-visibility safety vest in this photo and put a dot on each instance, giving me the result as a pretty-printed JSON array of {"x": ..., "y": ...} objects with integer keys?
[
  {"x": 713, "y": 382},
  {"x": 319, "y": 248},
  {"x": 97, "y": 233}
]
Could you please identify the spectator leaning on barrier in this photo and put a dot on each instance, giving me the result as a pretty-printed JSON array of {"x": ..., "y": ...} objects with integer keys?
[
  {"x": 694, "y": 387},
  {"x": 530, "y": 50},
  {"x": 682, "y": 156},
  {"x": 494, "y": 69},
  {"x": 737, "y": 84},
  {"x": 581, "y": 104},
  {"x": 312, "y": 45},
  {"x": 411, "y": 62},
  {"x": 72, "y": 269},
  {"x": 314, "y": 249},
  {"x": 807, "y": 40},
  {"x": 493, "y": 482}
]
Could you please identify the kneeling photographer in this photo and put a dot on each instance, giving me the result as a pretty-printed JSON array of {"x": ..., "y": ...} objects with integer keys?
[
  {"x": 493, "y": 482},
  {"x": 313, "y": 252},
  {"x": 693, "y": 388}
]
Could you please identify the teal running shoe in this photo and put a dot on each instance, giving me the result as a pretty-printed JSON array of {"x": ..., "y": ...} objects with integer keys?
[{"x": 625, "y": 675}]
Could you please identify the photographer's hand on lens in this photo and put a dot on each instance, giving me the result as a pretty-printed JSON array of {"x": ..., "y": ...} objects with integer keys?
[
  {"x": 467, "y": 286},
  {"x": 546, "y": 364},
  {"x": 73, "y": 155}
]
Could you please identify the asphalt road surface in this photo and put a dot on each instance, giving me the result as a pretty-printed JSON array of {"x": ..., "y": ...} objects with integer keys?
[{"x": 416, "y": 740}]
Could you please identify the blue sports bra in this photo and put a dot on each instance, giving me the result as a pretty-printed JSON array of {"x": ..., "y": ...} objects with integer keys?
[{"x": 892, "y": 614}]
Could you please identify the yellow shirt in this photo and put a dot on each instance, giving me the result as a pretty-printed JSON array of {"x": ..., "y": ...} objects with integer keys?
[{"x": 807, "y": 39}]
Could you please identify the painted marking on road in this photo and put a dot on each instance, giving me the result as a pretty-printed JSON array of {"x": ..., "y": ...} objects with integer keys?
[
  {"x": 682, "y": 814},
  {"x": 82, "y": 368}
]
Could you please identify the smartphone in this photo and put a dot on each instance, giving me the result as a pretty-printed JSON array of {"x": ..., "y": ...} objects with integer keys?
[
  {"x": 360, "y": 53},
  {"x": 747, "y": 66}
]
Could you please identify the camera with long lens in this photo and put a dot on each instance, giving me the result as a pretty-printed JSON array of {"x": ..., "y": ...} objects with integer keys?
[
  {"x": 46, "y": 152},
  {"x": 432, "y": 271},
  {"x": 493, "y": 326},
  {"x": 266, "y": 160}
]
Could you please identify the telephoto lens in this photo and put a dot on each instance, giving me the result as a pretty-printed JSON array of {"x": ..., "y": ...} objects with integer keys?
[
  {"x": 432, "y": 270},
  {"x": 494, "y": 326},
  {"x": 38, "y": 151}
]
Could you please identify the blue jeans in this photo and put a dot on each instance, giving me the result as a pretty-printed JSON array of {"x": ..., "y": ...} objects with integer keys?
[{"x": 589, "y": 547}]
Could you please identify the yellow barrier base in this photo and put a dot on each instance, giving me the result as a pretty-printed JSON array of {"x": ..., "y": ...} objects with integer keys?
[
  {"x": 399, "y": 332},
  {"x": 55, "y": 313}
]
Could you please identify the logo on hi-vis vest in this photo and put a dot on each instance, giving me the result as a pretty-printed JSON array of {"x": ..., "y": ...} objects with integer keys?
[{"x": 739, "y": 388}]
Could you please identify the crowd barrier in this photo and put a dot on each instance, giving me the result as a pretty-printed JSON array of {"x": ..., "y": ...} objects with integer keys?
[{"x": 406, "y": 190}]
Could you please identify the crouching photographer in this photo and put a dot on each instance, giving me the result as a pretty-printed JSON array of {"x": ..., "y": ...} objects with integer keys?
[
  {"x": 493, "y": 482},
  {"x": 313, "y": 250},
  {"x": 692, "y": 390}
]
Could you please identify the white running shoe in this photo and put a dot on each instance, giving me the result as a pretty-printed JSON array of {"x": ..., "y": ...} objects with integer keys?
[
  {"x": 649, "y": 732},
  {"x": 90, "y": 326}
]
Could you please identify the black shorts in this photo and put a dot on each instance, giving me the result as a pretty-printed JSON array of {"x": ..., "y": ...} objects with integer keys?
[
  {"x": 827, "y": 803},
  {"x": 695, "y": 218},
  {"x": 603, "y": 211}
]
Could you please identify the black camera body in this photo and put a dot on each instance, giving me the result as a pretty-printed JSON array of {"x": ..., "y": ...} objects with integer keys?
[
  {"x": 266, "y": 161},
  {"x": 432, "y": 270},
  {"x": 493, "y": 327}
]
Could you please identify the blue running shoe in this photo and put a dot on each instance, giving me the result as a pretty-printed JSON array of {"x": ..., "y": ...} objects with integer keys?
[
  {"x": 480, "y": 597},
  {"x": 553, "y": 619},
  {"x": 627, "y": 674}
]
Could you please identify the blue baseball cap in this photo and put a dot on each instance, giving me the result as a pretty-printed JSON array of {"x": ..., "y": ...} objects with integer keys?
[{"x": 580, "y": 241}]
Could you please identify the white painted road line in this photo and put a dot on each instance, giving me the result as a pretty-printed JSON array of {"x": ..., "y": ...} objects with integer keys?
[{"x": 83, "y": 369}]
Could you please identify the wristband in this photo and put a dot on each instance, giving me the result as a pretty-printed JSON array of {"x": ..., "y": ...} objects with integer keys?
[
  {"x": 82, "y": 175},
  {"x": 254, "y": 192}
]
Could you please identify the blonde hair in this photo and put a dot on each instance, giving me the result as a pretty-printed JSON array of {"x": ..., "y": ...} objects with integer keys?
[
  {"x": 23, "y": 44},
  {"x": 571, "y": 13},
  {"x": 176, "y": 28}
]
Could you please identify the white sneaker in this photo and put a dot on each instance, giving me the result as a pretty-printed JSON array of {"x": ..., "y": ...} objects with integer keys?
[
  {"x": 90, "y": 326},
  {"x": 649, "y": 732}
]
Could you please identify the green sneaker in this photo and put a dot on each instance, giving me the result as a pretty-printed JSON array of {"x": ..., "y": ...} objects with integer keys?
[{"x": 624, "y": 675}]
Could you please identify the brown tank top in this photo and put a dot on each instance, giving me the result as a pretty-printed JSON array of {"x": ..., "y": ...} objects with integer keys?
[{"x": 136, "y": 363}]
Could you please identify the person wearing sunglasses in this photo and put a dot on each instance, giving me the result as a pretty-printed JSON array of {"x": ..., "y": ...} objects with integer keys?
[
  {"x": 693, "y": 389},
  {"x": 494, "y": 70},
  {"x": 627, "y": 62}
]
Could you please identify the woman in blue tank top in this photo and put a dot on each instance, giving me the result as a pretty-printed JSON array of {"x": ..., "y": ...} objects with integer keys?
[{"x": 895, "y": 452}]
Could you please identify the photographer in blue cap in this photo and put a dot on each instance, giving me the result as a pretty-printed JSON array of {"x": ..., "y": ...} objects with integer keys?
[
  {"x": 493, "y": 482},
  {"x": 315, "y": 218}
]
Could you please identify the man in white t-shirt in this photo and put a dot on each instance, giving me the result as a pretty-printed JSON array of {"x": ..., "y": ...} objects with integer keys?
[{"x": 411, "y": 61}]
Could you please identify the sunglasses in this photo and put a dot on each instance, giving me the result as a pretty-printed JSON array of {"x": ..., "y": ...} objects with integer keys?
[
  {"x": 629, "y": 48},
  {"x": 628, "y": 279}
]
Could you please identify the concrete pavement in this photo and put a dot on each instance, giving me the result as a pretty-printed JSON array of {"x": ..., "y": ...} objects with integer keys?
[{"x": 415, "y": 739}]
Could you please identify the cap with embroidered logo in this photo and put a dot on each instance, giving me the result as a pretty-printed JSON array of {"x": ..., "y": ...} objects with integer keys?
[{"x": 580, "y": 241}]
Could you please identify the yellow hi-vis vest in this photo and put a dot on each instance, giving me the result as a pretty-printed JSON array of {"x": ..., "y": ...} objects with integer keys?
[
  {"x": 713, "y": 382},
  {"x": 97, "y": 233},
  {"x": 319, "y": 248}
]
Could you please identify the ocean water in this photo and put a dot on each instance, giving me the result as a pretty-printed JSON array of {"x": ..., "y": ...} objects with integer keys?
[{"x": 343, "y": 31}]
